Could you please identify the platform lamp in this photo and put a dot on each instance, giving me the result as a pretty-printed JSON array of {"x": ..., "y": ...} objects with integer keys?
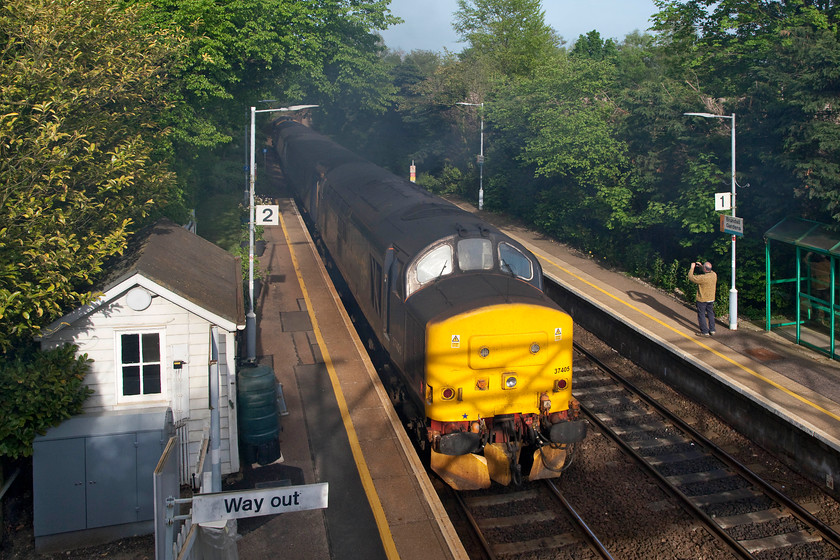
[
  {"x": 251, "y": 316},
  {"x": 481, "y": 153},
  {"x": 733, "y": 293}
]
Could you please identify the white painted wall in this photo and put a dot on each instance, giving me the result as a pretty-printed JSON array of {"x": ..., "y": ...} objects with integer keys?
[{"x": 186, "y": 336}]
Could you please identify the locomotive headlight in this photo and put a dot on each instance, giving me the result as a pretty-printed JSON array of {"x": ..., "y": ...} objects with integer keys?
[
  {"x": 484, "y": 352},
  {"x": 559, "y": 385},
  {"x": 509, "y": 381},
  {"x": 447, "y": 394},
  {"x": 535, "y": 348}
]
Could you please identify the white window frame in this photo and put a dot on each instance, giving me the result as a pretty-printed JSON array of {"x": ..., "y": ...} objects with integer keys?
[
  {"x": 413, "y": 280},
  {"x": 141, "y": 398},
  {"x": 504, "y": 245}
]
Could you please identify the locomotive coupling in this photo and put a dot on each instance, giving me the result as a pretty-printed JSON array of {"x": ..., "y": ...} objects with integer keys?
[{"x": 571, "y": 431}]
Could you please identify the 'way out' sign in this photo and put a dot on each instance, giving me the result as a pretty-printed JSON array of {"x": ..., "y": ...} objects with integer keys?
[{"x": 253, "y": 503}]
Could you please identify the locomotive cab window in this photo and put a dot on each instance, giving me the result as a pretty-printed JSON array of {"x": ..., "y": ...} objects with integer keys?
[
  {"x": 515, "y": 262},
  {"x": 475, "y": 254},
  {"x": 435, "y": 263}
]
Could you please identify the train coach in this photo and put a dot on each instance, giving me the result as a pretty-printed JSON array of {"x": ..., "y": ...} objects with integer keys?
[{"x": 485, "y": 357}]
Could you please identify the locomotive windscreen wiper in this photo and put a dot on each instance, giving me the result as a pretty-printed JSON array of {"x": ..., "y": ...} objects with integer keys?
[
  {"x": 442, "y": 270},
  {"x": 505, "y": 265}
]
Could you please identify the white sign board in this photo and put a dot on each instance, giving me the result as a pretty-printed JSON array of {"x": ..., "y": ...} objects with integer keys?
[
  {"x": 733, "y": 225},
  {"x": 254, "y": 503},
  {"x": 723, "y": 201},
  {"x": 267, "y": 215}
]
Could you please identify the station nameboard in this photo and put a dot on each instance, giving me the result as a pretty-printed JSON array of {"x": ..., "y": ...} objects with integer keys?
[{"x": 732, "y": 225}]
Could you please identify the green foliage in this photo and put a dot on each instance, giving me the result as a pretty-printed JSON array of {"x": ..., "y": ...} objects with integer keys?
[
  {"x": 511, "y": 33},
  {"x": 40, "y": 390},
  {"x": 592, "y": 46},
  {"x": 591, "y": 145},
  {"x": 409, "y": 130},
  {"x": 450, "y": 181},
  {"x": 587, "y": 171},
  {"x": 290, "y": 50},
  {"x": 100, "y": 102},
  {"x": 82, "y": 155},
  {"x": 669, "y": 277},
  {"x": 239, "y": 53}
]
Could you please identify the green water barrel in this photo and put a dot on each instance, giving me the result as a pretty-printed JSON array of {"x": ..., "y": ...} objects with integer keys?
[{"x": 259, "y": 425}]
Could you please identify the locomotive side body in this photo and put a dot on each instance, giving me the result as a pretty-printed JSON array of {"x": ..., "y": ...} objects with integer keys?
[{"x": 459, "y": 307}]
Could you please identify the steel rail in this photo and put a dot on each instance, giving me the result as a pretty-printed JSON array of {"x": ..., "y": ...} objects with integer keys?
[
  {"x": 826, "y": 532},
  {"x": 488, "y": 549},
  {"x": 593, "y": 539}
]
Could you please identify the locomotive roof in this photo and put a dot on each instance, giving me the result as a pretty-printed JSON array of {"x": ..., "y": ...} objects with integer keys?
[
  {"x": 389, "y": 205},
  {"x": 455, "y": 294}
]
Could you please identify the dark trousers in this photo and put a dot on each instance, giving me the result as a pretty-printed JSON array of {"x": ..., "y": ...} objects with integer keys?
[{"x": 706, "y": 309}]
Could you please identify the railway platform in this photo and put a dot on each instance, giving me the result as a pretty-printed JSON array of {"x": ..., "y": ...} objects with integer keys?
[
  {"x": 340, "y": 427},
  {"x": 783, "y": 395}
]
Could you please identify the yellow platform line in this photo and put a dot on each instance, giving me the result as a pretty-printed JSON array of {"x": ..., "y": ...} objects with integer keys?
[
  {"x": 746, "y": 369},
  {"x": 356, "y": 448}
]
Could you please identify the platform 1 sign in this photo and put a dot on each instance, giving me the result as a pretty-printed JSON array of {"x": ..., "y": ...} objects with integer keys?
[
  {"x": 254, "y": 503},
  {"x": 732, "y": 225},
  {"x": 723, "y": 201}
]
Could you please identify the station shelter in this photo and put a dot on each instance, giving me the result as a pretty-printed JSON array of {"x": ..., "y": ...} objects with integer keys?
[{"x": 810, "y": 251}]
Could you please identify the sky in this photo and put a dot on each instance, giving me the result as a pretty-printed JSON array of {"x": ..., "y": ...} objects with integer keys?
[{"x": 428, "y": 23}]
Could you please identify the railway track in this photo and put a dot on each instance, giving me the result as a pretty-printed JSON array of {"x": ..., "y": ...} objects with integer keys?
[
  {"x": 531, "y": 519},
  {"x": 741, "y": 509}
]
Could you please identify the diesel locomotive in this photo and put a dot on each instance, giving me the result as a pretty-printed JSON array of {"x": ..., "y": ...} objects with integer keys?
[{"x": 459, "y": 307}]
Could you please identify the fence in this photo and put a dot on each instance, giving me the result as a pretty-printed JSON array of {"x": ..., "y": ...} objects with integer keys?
[{"x": 174, "y": 532}]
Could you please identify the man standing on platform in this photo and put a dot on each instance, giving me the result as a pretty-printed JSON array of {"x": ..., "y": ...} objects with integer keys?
[{"x": 706, "y": 287}]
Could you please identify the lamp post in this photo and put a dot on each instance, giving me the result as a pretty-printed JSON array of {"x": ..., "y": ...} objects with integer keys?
[
  {"x": 480, "y": 155},
  {"x": 251, "y": 316},
  {"x": 733, "y": 293}
]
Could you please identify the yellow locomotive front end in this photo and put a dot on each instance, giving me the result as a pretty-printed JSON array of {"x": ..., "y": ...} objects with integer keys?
[{"x": 498, "y": 394}]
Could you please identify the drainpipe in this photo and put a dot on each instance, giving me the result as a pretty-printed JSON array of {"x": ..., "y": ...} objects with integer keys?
[{"x": 215, "y": 424}]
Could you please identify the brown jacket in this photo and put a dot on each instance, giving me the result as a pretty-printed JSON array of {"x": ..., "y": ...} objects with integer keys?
[{"x": 706, "y": 285}]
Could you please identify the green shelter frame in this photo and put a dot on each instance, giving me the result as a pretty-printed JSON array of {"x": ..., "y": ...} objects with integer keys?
[{"x": 817, "y": 257}]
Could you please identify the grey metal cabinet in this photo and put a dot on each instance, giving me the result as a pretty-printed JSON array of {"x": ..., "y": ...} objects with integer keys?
[
  {"x": 96, "y": 470},
  {"x": 59, "y": 481}
]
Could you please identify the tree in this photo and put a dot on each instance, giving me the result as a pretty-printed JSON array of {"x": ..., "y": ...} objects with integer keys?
[
  {"x": 774, "y": 63},
  {"x": 442, "y": 133},
  {"x": 512, "y": 33},
  {"x": 410, "y": 129},
  {"x": 566, "y": 120},
  {"x": 290, "y": 50},
  {"x": 798, "y": 94},
  {"x": 592, "y": 46},
  {"x": 40, "y": 390},
  {"x": 82, "y": 156}
]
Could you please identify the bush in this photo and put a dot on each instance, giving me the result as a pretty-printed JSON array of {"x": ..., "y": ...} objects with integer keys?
[
  {"x": 449, "y": 181},
  {"x": 40, "y": 390}
]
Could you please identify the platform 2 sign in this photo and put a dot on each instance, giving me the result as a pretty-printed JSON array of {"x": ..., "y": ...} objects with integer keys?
[
  {"x": 267, "y": 214},
  {"x": 254, "y": 503}
]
